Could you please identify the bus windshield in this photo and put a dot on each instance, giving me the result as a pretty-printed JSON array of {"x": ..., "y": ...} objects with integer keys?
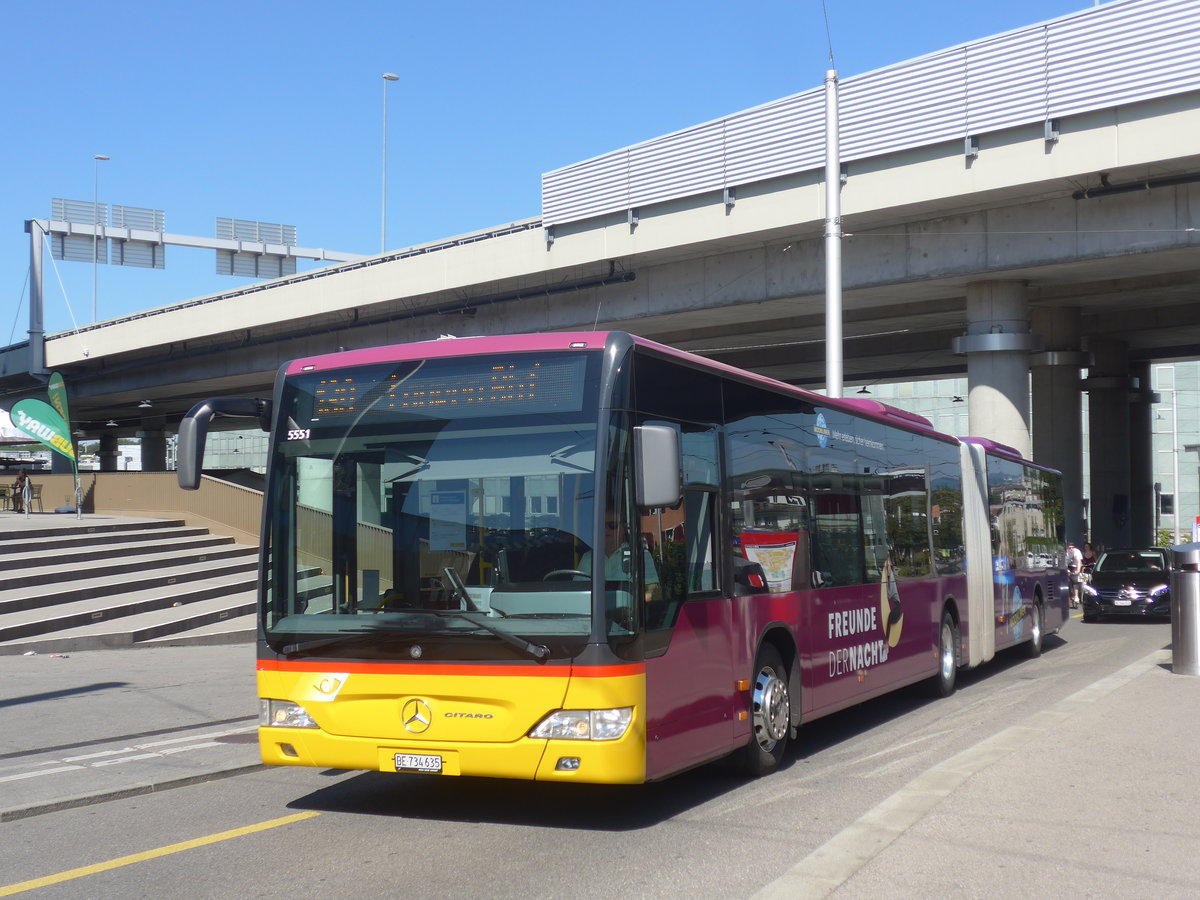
[{"x": 438, "y": 508}]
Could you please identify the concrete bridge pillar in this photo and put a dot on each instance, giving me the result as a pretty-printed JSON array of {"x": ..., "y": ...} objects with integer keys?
[
  {"x": 109, "y": 453},
  {"x": 1058, "y": 408},
  {"x": 997, "y": 345},
  {"x": 1108, "y": 385},
  {"x": 1141, "y": 457},
  {"x": 154, "y": 444},
  {"x": 60, "y": 465}
]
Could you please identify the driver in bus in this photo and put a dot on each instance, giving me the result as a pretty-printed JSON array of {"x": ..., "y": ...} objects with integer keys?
[{"x": 618, "y": 559}]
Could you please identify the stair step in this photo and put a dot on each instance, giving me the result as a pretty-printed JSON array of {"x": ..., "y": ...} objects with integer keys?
[
  {"x": 107, "y": 581},
  {"x": 120, "y": 604},
  {"x": 20, "y": 598},
  {"x": 52, "y": 573},
  {"x": 18, "y": 535},
  {"x": 75, "y": 553},
  {"x": 131, "y": 630}
]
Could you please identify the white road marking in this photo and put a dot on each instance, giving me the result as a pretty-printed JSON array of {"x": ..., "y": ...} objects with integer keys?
[{"x": 135, "y": 753}]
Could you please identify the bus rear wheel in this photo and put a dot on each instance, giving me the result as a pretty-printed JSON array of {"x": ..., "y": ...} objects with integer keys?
[
  {"x": 770, "y": 714},
  {"x": 1037, "y": 621}
]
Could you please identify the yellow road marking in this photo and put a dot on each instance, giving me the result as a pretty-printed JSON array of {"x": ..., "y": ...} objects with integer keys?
[{"x": 9, "y": 890}]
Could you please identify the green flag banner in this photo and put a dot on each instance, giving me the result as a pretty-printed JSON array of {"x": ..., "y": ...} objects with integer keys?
[
  {"x": 41, "y": 421},
  {"x": 58, "y": 397}
]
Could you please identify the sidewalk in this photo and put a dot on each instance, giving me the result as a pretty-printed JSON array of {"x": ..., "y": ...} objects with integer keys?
[
  {"x": 1095, "y": 796},
  {"x": 86, "y": 727}
]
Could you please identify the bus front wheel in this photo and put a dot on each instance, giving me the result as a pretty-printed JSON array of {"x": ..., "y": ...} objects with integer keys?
[
  {"x": 770, "y": 714},
  {"x": 946, "y": 679}
]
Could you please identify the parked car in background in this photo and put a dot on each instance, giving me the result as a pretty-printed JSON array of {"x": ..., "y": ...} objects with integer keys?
[{"x": 1130, "y": 581}]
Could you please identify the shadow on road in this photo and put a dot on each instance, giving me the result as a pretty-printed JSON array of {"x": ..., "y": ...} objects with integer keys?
[
  {"x": 611, "y": 807},
  {"x": 495, "y": 801}
]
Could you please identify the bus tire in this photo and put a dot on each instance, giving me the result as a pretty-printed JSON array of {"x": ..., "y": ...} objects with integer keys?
[
  {"x": 1037, "y": 623},
  {"x": 945, "y": 681},
  {"x": 770, "y": 714}
]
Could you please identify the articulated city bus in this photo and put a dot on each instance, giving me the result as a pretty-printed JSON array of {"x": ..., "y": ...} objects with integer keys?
[{"x": 589, "y": 557}]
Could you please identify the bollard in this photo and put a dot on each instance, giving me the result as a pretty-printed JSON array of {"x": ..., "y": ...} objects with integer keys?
[{"x": 1185, "y": 610}]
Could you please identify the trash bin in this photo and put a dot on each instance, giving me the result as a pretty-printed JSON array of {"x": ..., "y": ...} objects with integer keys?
[{"x": 1185, "y": 610}]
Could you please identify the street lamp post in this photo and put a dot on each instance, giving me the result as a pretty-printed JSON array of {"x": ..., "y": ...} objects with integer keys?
[
  {"x": 96, "y": 160},
  {"x": 387, "y": 78}
]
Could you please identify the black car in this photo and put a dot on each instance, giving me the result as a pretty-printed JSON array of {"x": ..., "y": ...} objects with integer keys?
[{"x": 1133, "y": 581}]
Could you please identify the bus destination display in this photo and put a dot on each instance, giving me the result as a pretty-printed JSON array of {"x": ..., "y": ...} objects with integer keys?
[{"x": 452, "y": 389}]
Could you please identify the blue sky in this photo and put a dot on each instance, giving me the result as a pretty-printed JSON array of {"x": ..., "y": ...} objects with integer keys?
[{"x": 273, "y": 111}]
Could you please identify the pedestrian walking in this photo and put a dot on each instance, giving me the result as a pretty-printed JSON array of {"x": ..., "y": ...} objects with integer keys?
[{"x": 1074, "y": 572}]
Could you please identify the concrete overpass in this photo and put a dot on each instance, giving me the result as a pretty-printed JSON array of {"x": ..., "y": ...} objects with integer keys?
[{"x": 1021, "y": 208}]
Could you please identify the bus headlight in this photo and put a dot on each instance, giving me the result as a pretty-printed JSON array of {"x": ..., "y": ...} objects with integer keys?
[
  {"x": 585, "y": 724},
  {"x": 283, "y": 714}
]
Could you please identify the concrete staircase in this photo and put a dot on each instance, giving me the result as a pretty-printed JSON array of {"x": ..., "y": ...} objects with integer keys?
[{"x": 88, "y": 586}]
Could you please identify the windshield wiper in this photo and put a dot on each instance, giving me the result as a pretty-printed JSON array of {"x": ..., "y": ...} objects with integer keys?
[
  {"x": 305, "y": 646},
  {"x": 460, "y": 588},
  {"x": 540, "y": 652},
  {"x": 349, "y": 637},
  {"x": 537, "y": 651}
]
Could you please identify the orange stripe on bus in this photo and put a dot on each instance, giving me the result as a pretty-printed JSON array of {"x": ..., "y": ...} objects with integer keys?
[{"x": 469, "y": 670}]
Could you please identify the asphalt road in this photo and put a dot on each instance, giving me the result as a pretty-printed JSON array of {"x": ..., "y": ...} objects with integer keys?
[{"x": 998, "y": 791}]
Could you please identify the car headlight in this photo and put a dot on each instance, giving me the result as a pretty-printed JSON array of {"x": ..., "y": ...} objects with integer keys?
[
  {"x": 1157, "y": 592},
  {"x": 283, "y": 714},
  {"x": 1089, "y": 590},
  {"x": 585, "y": 724}
]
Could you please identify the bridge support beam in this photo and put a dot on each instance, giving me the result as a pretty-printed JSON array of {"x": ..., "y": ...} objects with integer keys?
[
  {"x": 1108, "y": 385},
  {"x": 997, "y": 345},
  {"x": 1058, "y": 408}
]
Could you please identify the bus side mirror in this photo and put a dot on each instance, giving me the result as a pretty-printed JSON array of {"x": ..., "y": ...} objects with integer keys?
[
  {"x": 659, "y": 482},
  {"x": 193, "y": 432}
]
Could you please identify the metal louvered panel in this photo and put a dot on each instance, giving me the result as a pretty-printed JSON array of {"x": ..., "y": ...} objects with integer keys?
[
  {"x": 785, "y": 136},
  {"x": 1106, "y": 56},
  {"x": 690, "y": 162},
  {"x": 254, "y": 265},
  {"x": 78, "y": 248},
  {"x": 1139, "y": 51},
  {"x": 1006, "y": 81},
  {"x": 139, "y": 218},
  {"x": 82, "y": 212},
  {"x": 259, "y": 232},
  {"x": 586, "y": 189},
  {"x": 141, "y": 254},
  {"x": 902, "y": 107}
]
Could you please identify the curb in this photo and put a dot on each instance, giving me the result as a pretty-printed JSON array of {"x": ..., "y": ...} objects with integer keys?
[{"x": 14, "y": 813}]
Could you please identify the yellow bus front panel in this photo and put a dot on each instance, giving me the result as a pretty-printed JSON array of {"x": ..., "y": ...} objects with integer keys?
[{"x": 451, "y": 719}]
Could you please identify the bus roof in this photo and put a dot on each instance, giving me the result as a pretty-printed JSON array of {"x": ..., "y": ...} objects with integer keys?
[
  {"x": 995, "y": 448},
  {"x": 450, "y": 346}
]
